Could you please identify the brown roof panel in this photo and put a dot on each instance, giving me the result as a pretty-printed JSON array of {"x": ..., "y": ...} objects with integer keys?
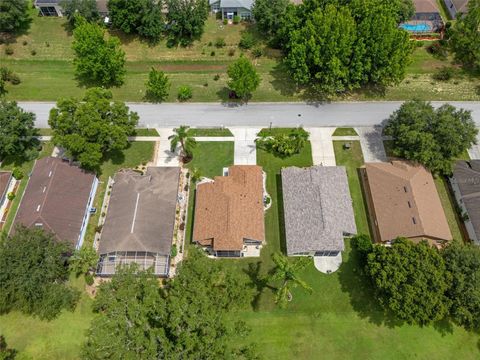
[
  {"x": 57, "y": 196},
  {"x": 230, "y": 209},
  {"x": 426, "y": 6},
  {"x": 406, "y": 201}
]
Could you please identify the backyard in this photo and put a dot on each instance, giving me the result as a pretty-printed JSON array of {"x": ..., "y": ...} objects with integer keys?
[{"x": 48, "y": 74}]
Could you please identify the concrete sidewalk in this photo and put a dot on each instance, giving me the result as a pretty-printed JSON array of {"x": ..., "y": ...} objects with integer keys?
[
  {"x": 164, "y": 156},
  {"x": 322, "y": 146},
  {"x": 245, "y": 149}
]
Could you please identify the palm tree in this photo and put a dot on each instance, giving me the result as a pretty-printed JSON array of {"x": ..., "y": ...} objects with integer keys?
[
  {"x": 187, "y": 142},
  {"x": 195, "y": 175},
  {"x": 286, "y": 271}
]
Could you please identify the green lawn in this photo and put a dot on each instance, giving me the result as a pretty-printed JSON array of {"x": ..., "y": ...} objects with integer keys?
[
  {"x": 345, "y": 132},
  {"x": 215, "y": 132},
  {"x": 145, "y": 132},
  {"x": 352, "y": 159},
  {"x": 12, "y": 162},
  {"x": 49, "y": 74}
]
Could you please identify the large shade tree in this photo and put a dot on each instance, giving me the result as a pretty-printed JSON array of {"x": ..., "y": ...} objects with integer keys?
[
  {"x": 17, "y": 131},
  {"x": 462, "y": 263},
  {"x": 34, "y": 274},
  {"x": 186, "y": 20},
  {"x": 185, "y": 319},
  {"x": 335, "y": 46},
  {"x": 432, "y": 137},
  {"x": 269, "y": 15},
  {"x": 142, "y": 17},
  {"x": 91, "y": 127},
  {"x": 409, "y": 280},
  {"x": 98, "y": 60},
  {"x": 14, "y": 15},
  {"x": 465, "y": 37}
]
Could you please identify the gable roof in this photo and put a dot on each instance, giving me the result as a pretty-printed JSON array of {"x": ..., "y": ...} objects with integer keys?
[
  {"x": 230, "y": 209},
  {"x": 406, "y": 201},
  {"x": 57, "y": 196},
  {"x": 426, "y": 6},
  {"x": 317, "y": 208},
  {"x": 467, "y": 177},
  {"x": 5, "y": 178},
  {"x": 247, "y": 4},
  {"x": 461, "y": 6},
  {"x": 141, "y": 211}
]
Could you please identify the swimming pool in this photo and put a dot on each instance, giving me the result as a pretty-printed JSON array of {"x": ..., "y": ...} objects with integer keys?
[{"x": 417, "y": 27}]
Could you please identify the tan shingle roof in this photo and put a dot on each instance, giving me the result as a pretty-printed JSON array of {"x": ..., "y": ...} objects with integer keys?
[
  {"x": 406, "y": 201},
  {"x": 230, "y": 209},
  {"x": 426, "y": 6}
]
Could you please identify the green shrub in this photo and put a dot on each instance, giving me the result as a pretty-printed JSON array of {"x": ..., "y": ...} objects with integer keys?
[
  {"x": 212, "y": 53},
  {"x": 33, "y": 52},
  {"x": 236, "y": 19},
  {"x": 5, "y": 73},
  {"x": 174, "y": 251},
  {"x": 17, "y": 173},
  {"x": 437, "y": 50},
  {"x": 220, "y": 43},
  {"x": 8, "y": 50},
  {"x": 231, "y": 52},
  {"x": 11, "y": 196},
  {"x": 184, "y": 93},
  {"x": 257, "y": 52},
  {"x": 216, "y": 77},
  {"x": 445, "y": 73},
  {"x": 247, "y": 41},
  {"x": 419, "y": 43},
  {"x": 25, "y": 42},
  {"x": 89, "y": 280},
  {"x": 15, "y": 79},
  {"x": 225, "y": 21}
]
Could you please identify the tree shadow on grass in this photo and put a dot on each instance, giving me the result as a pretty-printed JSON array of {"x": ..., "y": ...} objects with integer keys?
[
  {"x": 258, "y": 282},
  {"x": 444, "y": 327},
  {"x": 282, "y": 81},
  {"x": 361, "y": 292},
  {"x": 281, "y": 218}
]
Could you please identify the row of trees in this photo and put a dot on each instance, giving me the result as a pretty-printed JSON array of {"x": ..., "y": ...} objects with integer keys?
[
  {"x": 335, "y": 45},
  {"x": 420, "y": 284},
  {"x": 432, "y": 137}
]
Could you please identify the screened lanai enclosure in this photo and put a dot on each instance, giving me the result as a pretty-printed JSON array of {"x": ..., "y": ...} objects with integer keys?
[{"x": 109, "y": 262}]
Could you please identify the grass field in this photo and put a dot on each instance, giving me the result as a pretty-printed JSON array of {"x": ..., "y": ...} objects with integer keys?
[
  {"x": 215, "y": 132},
  {"x": 49, "y": 74},
  {"x": 344, "y": 132}
]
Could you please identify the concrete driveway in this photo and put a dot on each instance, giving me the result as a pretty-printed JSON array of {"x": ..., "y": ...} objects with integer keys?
[
  {"x": 245, "y": 149},
  {"x": 164, "y": 157},
  {"x": 322, "y": 146},
  {"x": 372, "y": 143}
]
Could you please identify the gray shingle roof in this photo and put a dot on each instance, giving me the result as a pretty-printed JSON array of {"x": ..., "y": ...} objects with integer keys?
[
  {"x": 467, "y": 176},
  {"x": 141, "y": 211},
  {"x": 317, "y": 208},
  {"x": 247, "y": 4}
]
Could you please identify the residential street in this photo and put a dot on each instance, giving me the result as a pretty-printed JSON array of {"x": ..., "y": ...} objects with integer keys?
[{"x": 351, "y": 114}]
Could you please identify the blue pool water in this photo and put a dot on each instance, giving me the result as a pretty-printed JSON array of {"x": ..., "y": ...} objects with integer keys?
[{"x": 416, "y": 27}]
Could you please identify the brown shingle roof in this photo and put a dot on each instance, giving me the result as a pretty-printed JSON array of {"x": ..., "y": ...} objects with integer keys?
[
  {"x": 426, "y": 6},
  {"x": 56, "y": 196},
  {"x": 230, "y": 209},
  {"x": 5, "y": 177},
  {"x": 406, "y": 201}
]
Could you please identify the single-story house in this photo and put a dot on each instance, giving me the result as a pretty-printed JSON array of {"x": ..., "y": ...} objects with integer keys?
[
  {"x": 5, "y": 180},
  {"x": 318, "y": 211},
  {"x": 231, "y": 8},
  {"x": 58, "y": 198},
  {"x": 403, "y": 202},
  {"x": 229, "y": 211},
  {"x": 456, "y": 7},
  {"x": 54, "y": 7},
  {"x": 140, "y": 221},
  {"x": 466, "y": 187}
]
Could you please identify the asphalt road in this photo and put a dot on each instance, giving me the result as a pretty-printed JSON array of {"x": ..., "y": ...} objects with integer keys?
[{"x": 351, "y": 114}]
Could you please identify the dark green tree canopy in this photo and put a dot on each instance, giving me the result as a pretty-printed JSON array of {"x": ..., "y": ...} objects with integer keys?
[
  {"x": 336, "y": 46},
  {"x": 14, "y": 15},
  {"x": 269, "y": 15},
  {"x": 186, "y": 20},
  {"x": 17, "y": 131},
  {"x": 142, "y": 17},
  {"x": 85, "y": 8},
  {"x": 34, "y": 272},
  {"x": 432, "y": 137},
  {"x": 6, "y": 353},
  {"x": 465, "y": 37},
  {"x": 405, "y": 9},
  {"x": 410, "y": 280},
  {"x": 462, "y": 263},
  {"x": 158, "y": 86},
  {"x": 244, "y": 79},
  {"x": 90, "y": 128},
  {"x": 97, "y": 60},
  {"x": 183, "y": 320}
]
